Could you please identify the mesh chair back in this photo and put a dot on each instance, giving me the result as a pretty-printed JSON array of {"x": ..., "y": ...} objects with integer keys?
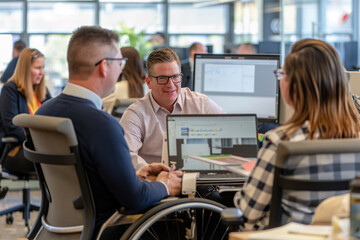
[
  {"x": 308, "y": 172},
  {"x": 52, "y": 145}
]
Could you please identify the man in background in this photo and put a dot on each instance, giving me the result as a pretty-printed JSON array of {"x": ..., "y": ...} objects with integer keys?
[
  {"x": 144, "y": 121},
  {"x": 9, "y": 71},
  {"x": 159, "y": 39},
  {"x": 187, "y": 66},
  {"x": 104, "y": 152},
  {"x": 246, "y": 48}
]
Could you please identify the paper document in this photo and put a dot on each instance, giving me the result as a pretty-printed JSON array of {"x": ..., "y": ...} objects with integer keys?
[
  {"x": 293, "y": 231},
  {"x": 236, "y": 164},
  {"x": 223, "y": 159}
]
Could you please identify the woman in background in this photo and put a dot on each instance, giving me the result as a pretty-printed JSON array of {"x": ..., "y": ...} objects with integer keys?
[
  {"x": 23, "y": 93},
  {"x": 131, "y": 82},
  {"x": 312, "y": 82}
]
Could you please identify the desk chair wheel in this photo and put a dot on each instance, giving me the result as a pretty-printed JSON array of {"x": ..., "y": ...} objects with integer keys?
[{"x": 9, "y": 218}]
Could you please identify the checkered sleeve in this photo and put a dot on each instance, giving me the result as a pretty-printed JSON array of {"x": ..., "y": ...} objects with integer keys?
[{"x": 254, "y": 198}]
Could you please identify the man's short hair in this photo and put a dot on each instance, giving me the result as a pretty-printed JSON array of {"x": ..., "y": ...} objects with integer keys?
[
  {"x": 161, "y": 56},
  {"x": 195, "y": 46},
  {"x": 88, "y": 45},
  {"x": 19, "y": 45}
]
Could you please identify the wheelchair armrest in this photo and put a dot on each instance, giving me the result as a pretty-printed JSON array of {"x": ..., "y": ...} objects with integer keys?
[
  {"x": 233, "y": 218},
  {"x": 9, "y": 140}
]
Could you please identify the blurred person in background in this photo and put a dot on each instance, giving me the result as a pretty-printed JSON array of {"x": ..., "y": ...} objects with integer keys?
[
  {"x": 131, "y": 82},
  {"x": 9, "y": 71},
  {"x": 246, "y": 48},
  {"x": 187, "y": 66},
  {"x": 23, "y": 93}
]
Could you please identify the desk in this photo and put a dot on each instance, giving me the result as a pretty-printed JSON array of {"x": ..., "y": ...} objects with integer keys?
[{"x": 290, "y": 231}]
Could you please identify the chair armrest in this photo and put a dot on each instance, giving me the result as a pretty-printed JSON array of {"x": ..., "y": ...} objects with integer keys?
[{"x": 233, "y": 218}]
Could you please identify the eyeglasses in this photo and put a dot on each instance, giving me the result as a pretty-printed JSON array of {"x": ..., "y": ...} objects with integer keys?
[
  {"x": 279, "y": 74},
  {"x": 122, "y": 61},
  {"x": 163, "y": 80}
]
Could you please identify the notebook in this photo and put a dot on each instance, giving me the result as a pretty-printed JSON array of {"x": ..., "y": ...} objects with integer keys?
[{"x": 204, "y": 135}]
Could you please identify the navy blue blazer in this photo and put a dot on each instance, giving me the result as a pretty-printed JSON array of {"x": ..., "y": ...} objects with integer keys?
[
  {"x": 12, "y": 103},
  {"x": 9, "y": 71}
]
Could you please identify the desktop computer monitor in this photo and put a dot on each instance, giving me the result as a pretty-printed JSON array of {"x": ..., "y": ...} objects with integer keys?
[{"x": 240, "y": 83}]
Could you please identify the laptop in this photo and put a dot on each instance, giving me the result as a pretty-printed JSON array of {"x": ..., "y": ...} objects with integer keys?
[{"x": 204, "y": 135}]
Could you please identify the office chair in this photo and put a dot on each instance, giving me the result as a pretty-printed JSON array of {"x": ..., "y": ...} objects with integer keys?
[
  {"x": 120, "y": 107},
  {"x": 67, "y": 208},
  {"x": 25, "y": 207},
  {"x": 289, "y": 178},
  {"x": 67, "y": 204}
]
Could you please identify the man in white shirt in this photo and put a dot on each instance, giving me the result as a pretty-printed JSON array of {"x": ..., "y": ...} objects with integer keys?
[
  {"x": 187, "y": 65},
  {"x": 144, "y": 122}
]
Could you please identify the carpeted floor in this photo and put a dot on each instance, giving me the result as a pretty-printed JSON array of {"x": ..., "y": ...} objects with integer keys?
[{"x": 17, "y": 230}]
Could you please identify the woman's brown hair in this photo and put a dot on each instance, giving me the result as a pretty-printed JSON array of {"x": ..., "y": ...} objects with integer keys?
[
  {"x": 133, "y": 72},
  {"x": 319, "y": 91},
  {"x": 22, "y": 75}
]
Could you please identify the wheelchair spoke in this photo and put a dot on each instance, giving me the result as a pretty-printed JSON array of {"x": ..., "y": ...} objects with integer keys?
[
  {"x": 152, "y": 233},
  {"x": 182, "y": 219}
]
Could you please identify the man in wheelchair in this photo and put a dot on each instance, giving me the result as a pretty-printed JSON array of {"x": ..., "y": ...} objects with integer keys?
[{"x": 95, "y": 62}]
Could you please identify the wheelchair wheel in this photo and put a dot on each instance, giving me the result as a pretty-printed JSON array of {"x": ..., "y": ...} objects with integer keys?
[{"x": 187, "y": 218}]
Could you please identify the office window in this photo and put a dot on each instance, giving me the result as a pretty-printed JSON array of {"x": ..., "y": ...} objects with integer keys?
[
  {"x": 6, "y": 47},
  {"x": 139, "y": 1},
  {"x": 11, "y": 17},
  {"x": 339, "y": 16},
  {"x": 187, "y": 1},
  {"x": 246, "y": 18},
  {"x": 184, "y": 18},
  {"x": 147, "y": 17},
  {"x": 59, "y": 17}
]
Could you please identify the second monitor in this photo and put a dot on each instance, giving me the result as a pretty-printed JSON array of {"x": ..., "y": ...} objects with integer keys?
[{"x": 240, "y": 83}]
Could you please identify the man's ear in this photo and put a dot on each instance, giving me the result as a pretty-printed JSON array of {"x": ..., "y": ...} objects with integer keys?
[
  {"x": 147, "y": 80},
  {"x": 102, "y": 68}
]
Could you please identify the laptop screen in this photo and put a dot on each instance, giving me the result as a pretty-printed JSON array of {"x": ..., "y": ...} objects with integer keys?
[
  {"x": 203, "y": 135},
  {"x": 240, "y": 83}
]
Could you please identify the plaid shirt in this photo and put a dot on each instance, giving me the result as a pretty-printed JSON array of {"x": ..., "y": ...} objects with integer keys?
[{"x": 254, "y": 198}]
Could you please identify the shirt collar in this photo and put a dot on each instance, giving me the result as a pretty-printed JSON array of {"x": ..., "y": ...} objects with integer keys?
[
  {"x": 81, "y": 92},
  {"x": 156, "y": 106}
]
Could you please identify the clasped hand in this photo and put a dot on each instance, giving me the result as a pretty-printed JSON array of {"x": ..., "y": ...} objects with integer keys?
[{"x": 160, "y": 172}]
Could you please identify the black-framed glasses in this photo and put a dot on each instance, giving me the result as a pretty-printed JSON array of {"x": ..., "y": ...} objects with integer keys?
[
  {"x": 122, "y": 61},
  {"x": 279, "y": 74},
  {"x": 163, "y": 79}
]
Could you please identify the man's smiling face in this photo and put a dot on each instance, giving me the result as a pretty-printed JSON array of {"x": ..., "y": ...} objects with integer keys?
[{"x": 164, "y": 95}]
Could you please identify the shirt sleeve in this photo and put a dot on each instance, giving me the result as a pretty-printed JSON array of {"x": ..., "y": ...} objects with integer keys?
[
  {"x": 254, "y": 198},
  {"x": 212, "y": 108},
  {"x": 132, "y": 126}
]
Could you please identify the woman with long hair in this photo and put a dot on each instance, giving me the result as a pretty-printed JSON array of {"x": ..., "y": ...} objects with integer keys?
[
  {"x": 23, "y": 93},
  {"x": 313, "y": 82},
  {"x": 131, "y": 81}
]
